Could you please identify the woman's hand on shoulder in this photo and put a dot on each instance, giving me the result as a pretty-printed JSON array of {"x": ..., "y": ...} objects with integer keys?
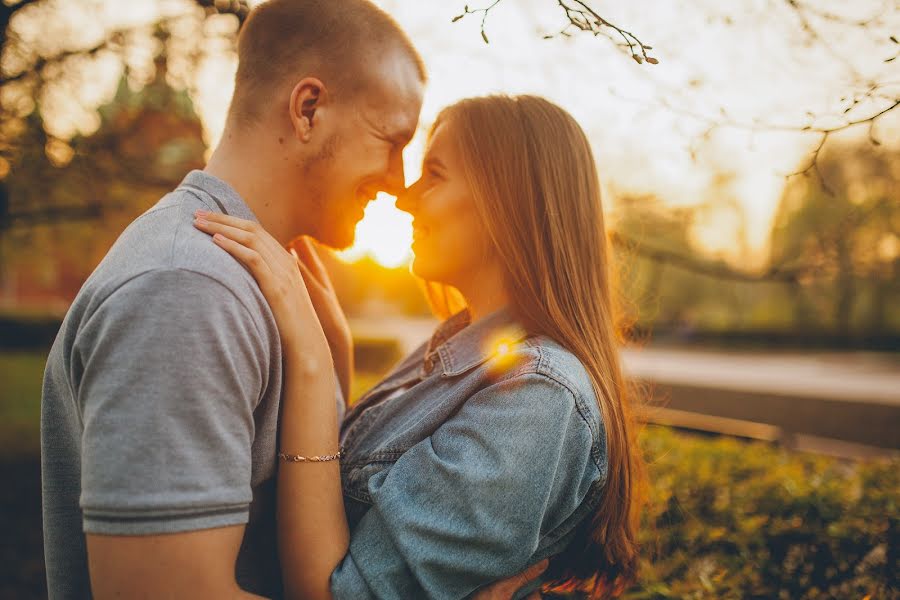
[{"x": 277, "y": 274}]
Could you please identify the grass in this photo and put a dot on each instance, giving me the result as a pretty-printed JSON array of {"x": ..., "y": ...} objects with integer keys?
[
  {"x": 21, "y": 374},
  {"x": 726, "y": 519}
]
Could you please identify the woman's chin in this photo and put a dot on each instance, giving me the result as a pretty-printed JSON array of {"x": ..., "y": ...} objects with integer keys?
[
  {"x": 422, "y": 268},
  {"x": 416, "y": 267}
]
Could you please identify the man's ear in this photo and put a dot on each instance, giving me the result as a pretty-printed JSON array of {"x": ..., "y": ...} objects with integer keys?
[{"x": 307, "y": 98}]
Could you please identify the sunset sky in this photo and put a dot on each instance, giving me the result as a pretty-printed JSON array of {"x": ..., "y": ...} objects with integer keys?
[{"x": 744, "y": 62}]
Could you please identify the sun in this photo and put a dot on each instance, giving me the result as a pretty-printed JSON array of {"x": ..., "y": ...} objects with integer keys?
[{"x": 385, "y": 234}]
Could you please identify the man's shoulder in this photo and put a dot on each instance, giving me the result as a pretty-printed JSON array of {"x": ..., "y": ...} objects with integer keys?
[
  {"x": 163, "y": 243},
  {"x": 161, "y": 255}
]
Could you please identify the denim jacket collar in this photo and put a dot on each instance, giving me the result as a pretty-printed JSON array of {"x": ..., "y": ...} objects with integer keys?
[{"x": 461, "y": 344}]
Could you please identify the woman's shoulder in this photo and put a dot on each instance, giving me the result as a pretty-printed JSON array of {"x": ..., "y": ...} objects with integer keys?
[
  {"x": 541, "y": 355},
  {"x": 552, "y": 390},
  {"x": 540, "y": 358}
]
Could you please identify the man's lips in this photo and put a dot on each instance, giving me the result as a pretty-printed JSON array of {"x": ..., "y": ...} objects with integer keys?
[
  {"x": 420, "y": 231},
  {"x": 363, "y": 198}
]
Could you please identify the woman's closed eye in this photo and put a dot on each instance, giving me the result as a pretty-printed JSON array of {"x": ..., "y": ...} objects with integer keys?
[{"x": 433, "y": 176}]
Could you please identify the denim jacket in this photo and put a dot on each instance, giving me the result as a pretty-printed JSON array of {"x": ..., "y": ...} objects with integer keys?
[{"x": 482, "y": 464}]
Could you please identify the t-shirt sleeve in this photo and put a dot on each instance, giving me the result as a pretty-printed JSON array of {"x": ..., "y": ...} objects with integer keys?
[{"x": 170, "y": 368}]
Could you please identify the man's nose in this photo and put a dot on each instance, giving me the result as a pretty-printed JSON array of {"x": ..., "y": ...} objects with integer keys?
[{"x": 395, "y": 180}]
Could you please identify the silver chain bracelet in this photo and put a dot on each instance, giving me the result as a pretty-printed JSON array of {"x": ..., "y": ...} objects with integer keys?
[{"x": 298, "y": 458}]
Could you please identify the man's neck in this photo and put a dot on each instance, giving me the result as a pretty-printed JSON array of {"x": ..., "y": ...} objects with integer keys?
[{"x": 242, "y": 164}]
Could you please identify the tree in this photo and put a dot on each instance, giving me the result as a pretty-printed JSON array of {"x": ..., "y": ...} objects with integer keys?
[
  {"x": 849, "y": 240},
  {"x": 95, "y": 185},
  {"x": 40, "y": 72},
  {"x": 38, "y": 69}
]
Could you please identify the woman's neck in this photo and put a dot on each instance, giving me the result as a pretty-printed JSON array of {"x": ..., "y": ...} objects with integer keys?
[{"x": 484, "y": 292}]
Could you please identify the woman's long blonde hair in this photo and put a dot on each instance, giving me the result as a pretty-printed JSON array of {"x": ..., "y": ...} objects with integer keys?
[{"x": 534, "y": 182}]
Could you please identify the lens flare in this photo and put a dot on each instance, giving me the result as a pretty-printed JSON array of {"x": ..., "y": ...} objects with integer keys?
[{"x": 384, "y": 233}]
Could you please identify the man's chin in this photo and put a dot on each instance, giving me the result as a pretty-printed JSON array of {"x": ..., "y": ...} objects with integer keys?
[{"x": 337, "y": 240}]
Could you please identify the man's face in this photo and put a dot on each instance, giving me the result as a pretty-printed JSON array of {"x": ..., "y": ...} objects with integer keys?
[{"x": 364, "y": 154}]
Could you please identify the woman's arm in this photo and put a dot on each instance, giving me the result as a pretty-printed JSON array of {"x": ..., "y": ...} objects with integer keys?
[
  {"x": 480, "y": 499},
  {"x": 312, "y": 527},
  {"x": 331, "y": 315}
]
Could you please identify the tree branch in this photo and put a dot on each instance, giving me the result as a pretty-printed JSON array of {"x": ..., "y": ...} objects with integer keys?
[
  {"x": 588, "y": 16},
  {"x": 716, "y": 270},
  {"x": 238, "y": 8},
  {"x": 585, "y": 19}
]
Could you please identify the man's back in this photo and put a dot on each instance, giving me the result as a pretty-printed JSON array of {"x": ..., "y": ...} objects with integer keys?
[{"x": 161, "y": 396}]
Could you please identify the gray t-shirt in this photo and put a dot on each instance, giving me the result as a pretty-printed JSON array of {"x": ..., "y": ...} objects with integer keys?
[{"x": 161, "y": 397}]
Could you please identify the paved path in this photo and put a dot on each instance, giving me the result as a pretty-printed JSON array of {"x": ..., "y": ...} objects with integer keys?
[
  {"x": 849, "y": 376},
  {"x": 853, "y": 397}
]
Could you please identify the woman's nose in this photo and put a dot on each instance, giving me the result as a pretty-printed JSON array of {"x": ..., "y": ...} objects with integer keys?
[{"x": 406, "y": 199}]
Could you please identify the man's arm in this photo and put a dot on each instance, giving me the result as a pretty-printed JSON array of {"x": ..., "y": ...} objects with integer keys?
[
  {"x": 173, "y": 366},
  {"x": 197, "y": 564}
]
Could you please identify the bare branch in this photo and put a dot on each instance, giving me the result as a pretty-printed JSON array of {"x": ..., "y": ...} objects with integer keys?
[
  {"x": 238, "y": 8},
  {"x": 484, "y": 13},
  {"x": 583, "y": 18},
  {"x": 803, "y": 7},
  {"x": 813, "y": 166},
  {"x": 716, "y": 270},
  {"x": 629, "y": 38},
  {"x": 826, "y": 132},
  {"x": 722, "y": 120},
  {"x": 801, "y": 12}
]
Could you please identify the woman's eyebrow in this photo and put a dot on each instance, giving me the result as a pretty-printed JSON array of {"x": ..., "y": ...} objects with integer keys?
[{"x": 434, "y": 162}]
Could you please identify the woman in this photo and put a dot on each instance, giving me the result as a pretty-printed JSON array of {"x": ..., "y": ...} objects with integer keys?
[{"x": 507, "y": 438}]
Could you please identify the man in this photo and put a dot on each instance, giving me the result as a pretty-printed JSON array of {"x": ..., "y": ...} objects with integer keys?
[{"x": 162, "y": 389}]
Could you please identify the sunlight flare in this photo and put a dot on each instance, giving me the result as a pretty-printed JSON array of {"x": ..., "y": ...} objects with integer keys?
[{"x": 385, "y": 234}]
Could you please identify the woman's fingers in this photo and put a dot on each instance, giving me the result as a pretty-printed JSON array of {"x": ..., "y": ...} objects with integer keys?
[
  {"x": 309, "y": 278},
  {"x": 248, "y": 234},
  {"x": 241, "y": 236},
  {"x": 249, "y": 257},
  {"x": 235, "y": 222},
  {"x": 309, "y": 256}
]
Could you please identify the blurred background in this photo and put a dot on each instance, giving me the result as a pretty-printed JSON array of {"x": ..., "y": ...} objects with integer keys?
[{"x": 750, "y": 155}]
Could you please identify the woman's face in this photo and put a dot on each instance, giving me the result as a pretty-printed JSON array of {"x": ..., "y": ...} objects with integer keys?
[{"x": 449, "y": 240}]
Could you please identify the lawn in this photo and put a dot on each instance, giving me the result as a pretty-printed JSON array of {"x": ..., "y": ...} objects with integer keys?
[
  {"x": 727, "y": 518},
  {"x": 21, "y": 374}
]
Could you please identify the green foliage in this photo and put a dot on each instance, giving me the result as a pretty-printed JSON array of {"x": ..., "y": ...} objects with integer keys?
[
  {"x": 375, "y": 355},
  {"x": 831, "y": 274},
  {"x": 726, "y": 519},
  {"x": 730, "y": 519},
  {"x": 21, "y": 374},
  {"x": 844, "y": 230}
]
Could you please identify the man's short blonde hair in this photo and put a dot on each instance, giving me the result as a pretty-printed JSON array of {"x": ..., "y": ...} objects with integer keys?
[{"x": 335, "y": 40}]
